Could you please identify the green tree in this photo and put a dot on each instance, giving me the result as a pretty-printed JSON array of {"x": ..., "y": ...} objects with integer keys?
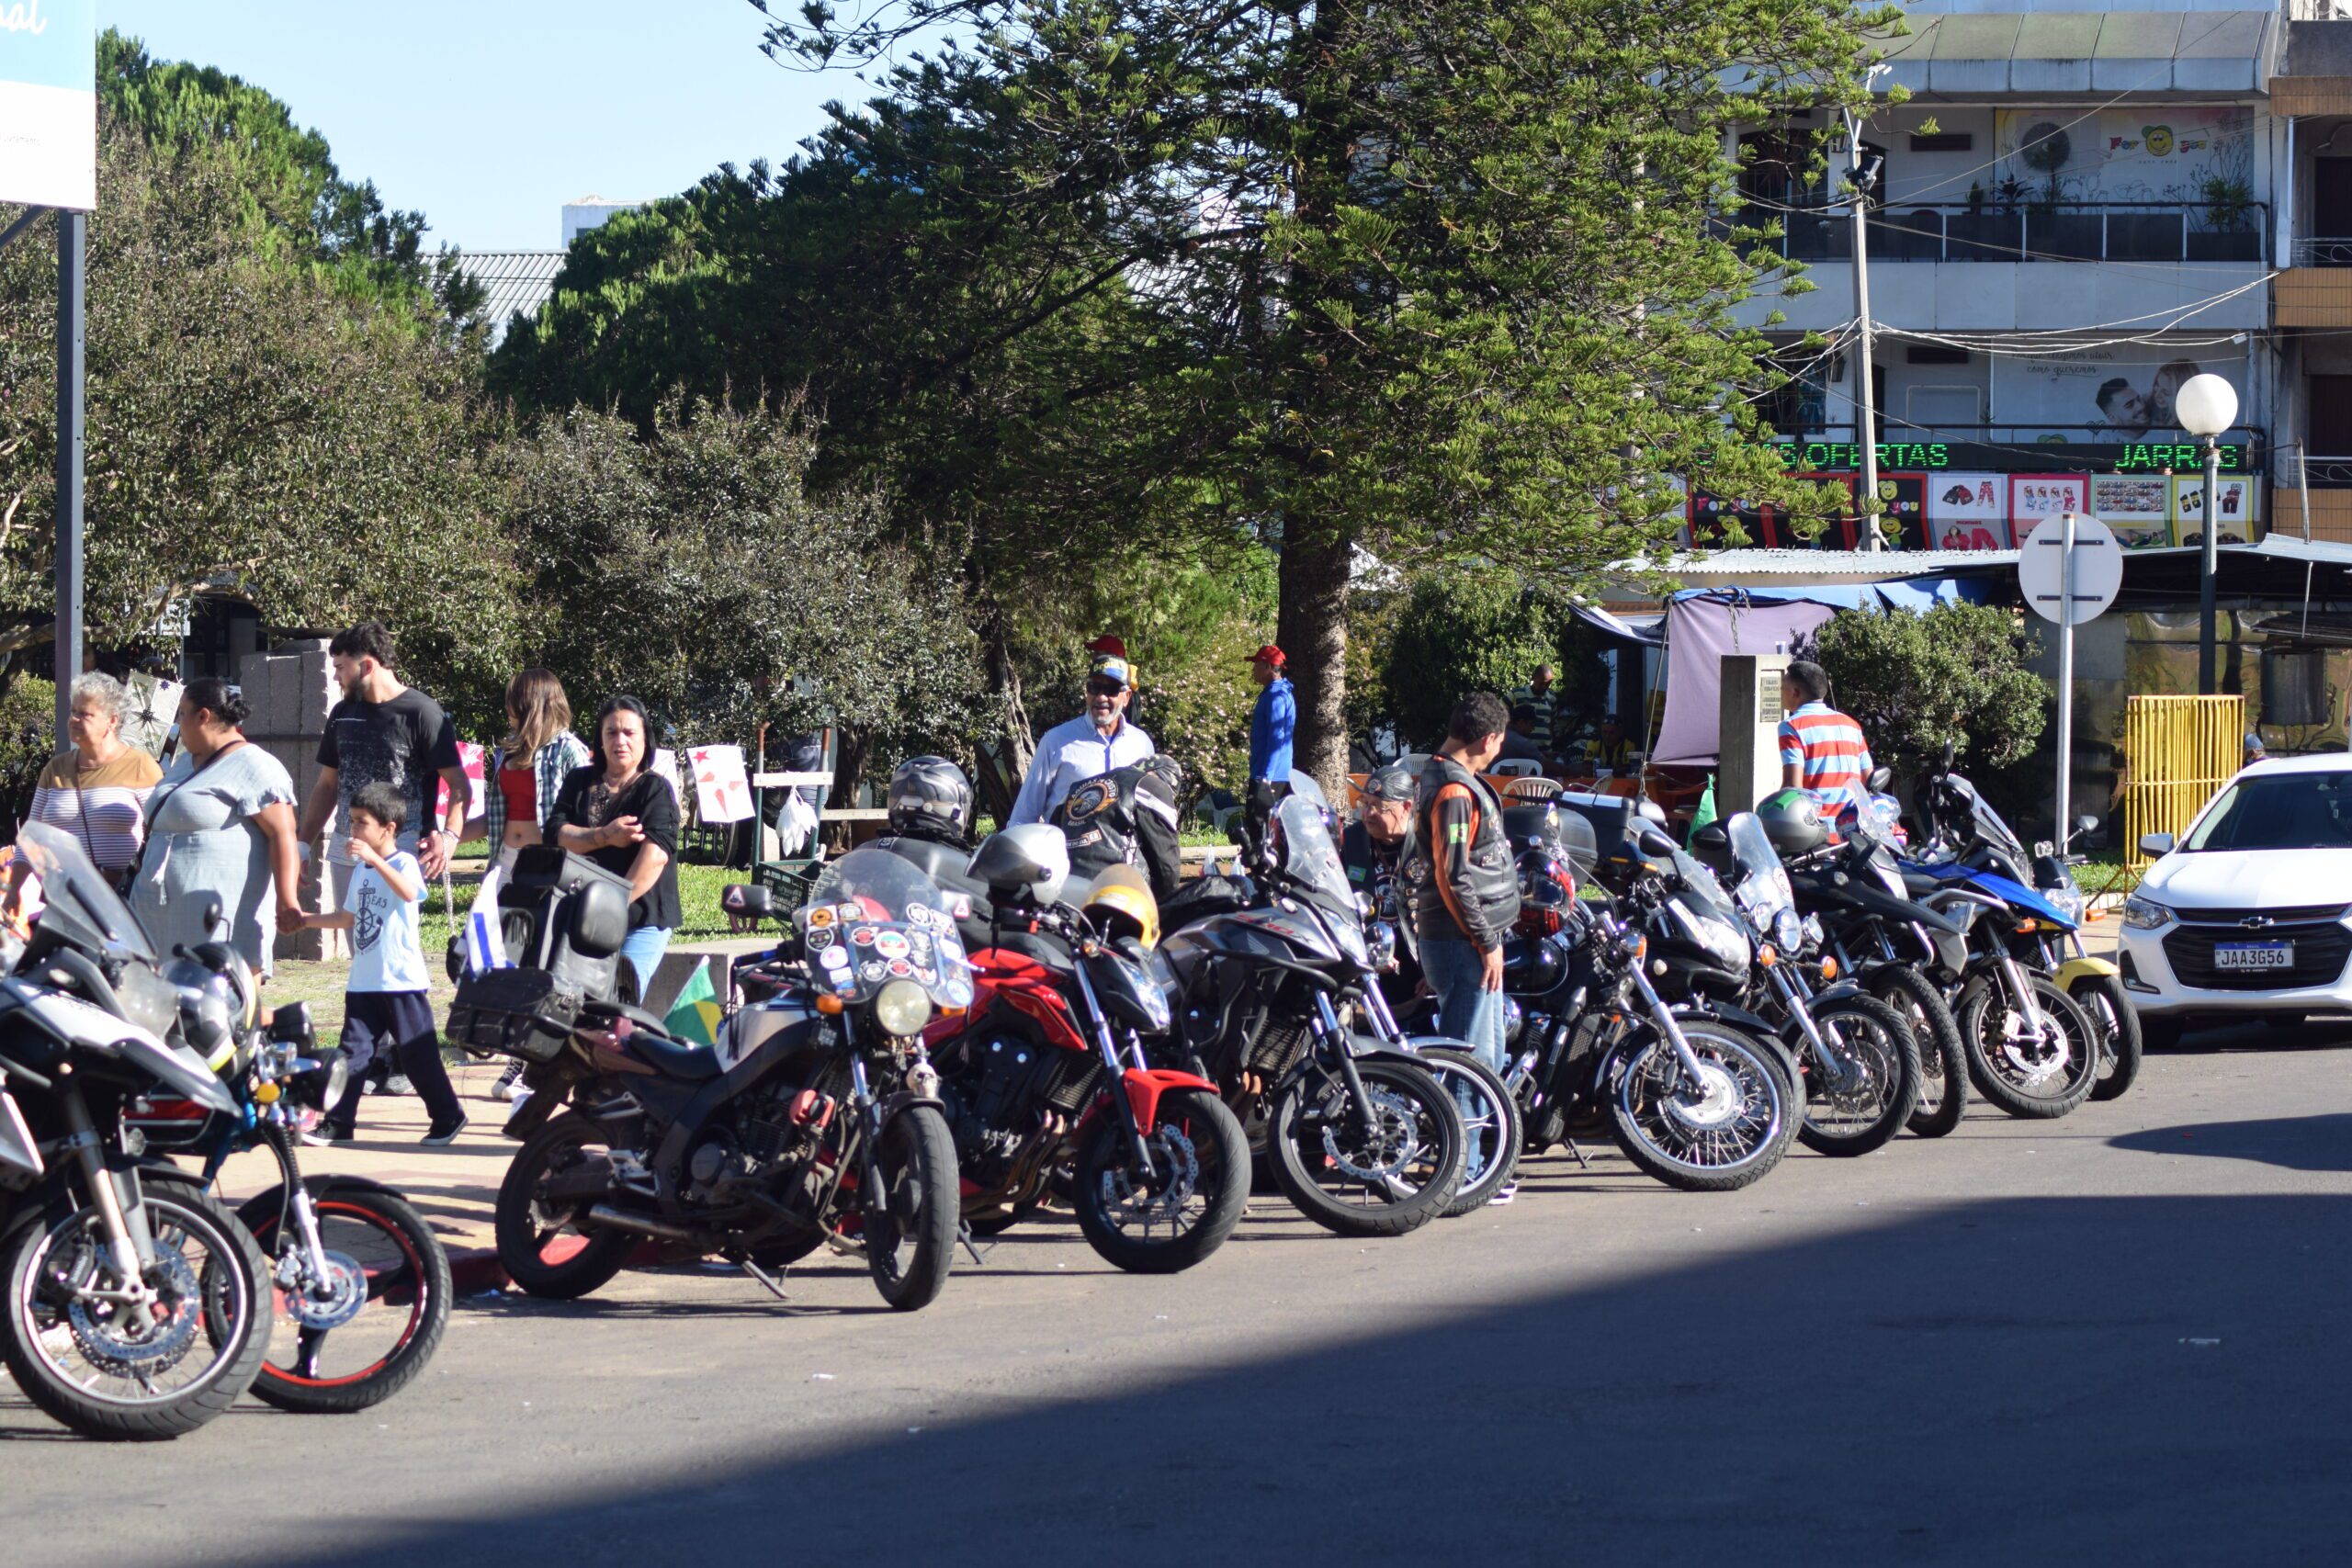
[
  {"x": 1956, "y": 674},
  {"x": 1447, "y": 278},
  {"x": 690, "y": 567},
  {"x": 1461, "y": 632}
]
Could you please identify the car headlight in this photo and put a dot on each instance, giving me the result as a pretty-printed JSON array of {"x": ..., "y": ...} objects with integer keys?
[
  {"x": 901, "y": 1008},
  {"x": 2145, "y": 914}
]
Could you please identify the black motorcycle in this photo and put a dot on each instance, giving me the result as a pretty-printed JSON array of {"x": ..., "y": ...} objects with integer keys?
[
  {"x": 135, "y": 1308},
  {"x": 1361, "y": 1137},
  {"x": 1696, "y": 1099},
  {"x": 815, "y": 1120}
]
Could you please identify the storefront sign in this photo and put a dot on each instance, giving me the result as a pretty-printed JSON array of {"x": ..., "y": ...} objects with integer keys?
[
  {"x": 48, "y": 103},
  {"x": 2023, "y": 458}
]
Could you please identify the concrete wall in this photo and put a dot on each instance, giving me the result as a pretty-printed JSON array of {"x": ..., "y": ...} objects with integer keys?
[{"x": 290, "y": 691}]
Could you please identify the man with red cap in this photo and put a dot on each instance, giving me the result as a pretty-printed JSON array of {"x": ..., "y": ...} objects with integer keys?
[{"x": 1274, "y": 719}]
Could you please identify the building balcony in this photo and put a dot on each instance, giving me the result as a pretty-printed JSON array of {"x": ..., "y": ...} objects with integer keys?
[
  {"x": 2035, "y": 231},
  {"x": 2316, "y": 288}
]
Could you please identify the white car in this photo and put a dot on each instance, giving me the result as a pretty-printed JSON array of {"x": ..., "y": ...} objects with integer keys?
[{"x": 2247, "y": 913}]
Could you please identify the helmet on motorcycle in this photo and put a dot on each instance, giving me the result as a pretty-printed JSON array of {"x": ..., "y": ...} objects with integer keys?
[
  {"x": 1121, "y": 900},
  {"x": 1028, "y": 862},
  {"x": 1792, "y": 820},
  {"x": 930, "y": 796}
]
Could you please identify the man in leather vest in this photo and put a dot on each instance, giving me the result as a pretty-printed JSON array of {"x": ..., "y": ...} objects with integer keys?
[{"x": 1464, "y": 884}]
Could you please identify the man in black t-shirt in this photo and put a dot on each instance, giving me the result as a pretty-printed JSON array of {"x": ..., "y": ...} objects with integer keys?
[{"x": 384, "y": 732}]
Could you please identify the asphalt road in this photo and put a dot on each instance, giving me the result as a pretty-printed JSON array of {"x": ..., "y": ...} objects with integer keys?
[{"x": 2118, "y": 1338}]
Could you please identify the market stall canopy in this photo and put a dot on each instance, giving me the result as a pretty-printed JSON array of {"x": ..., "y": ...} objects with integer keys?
[{"x": 1645, "y": 629}]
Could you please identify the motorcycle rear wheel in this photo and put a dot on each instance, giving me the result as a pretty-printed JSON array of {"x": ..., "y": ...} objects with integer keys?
[
  {"x": 2020, "y": 1078},
  {"x": 1198, "y": 1153},
  {"x": 1493, "y": 1128},
  {"x": 909, "y": 1235},
  {"x": 1943, "y": 1057},
  {"x": 549, "y": 1248},
  {"x": 1878, "y": 1047},
  {"x": 1397, "y": 1179},
  {"x": 1724, "y": 1137},
  {"x": 404, "y": 1270}
]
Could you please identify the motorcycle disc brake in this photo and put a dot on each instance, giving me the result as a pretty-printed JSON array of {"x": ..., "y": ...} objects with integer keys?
[
  {"x": 102, "y": 1329},
  {"x": 1176, "y": 1158},
  {"x": 1396, "y": 1139},
  {"x": 344, "y": 1293}
]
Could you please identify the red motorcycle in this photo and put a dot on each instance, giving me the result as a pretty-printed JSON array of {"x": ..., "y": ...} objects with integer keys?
[{"x": 1046, "y": 1070}]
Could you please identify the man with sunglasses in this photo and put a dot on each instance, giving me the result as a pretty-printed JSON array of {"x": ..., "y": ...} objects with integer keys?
[{"x": 1098, "y": 741}]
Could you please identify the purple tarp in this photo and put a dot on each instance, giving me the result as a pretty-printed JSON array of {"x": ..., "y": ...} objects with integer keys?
[{"x": 1699, "y": 631}]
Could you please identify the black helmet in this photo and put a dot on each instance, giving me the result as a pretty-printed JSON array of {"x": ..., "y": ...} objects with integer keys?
[
  {"x": 1793, "y": 821},
  {"x": 929, "y": 798}
]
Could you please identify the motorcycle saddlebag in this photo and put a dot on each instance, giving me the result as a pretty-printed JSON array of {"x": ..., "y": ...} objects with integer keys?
[{"x": 514, "y": 1012}]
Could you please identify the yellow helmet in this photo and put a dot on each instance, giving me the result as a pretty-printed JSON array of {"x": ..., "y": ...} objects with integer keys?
[{"x": 1122, "y": 900}]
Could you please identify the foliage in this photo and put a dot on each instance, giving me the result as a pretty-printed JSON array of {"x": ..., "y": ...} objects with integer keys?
[
  {"x": 295, "y": 196},
  {"x": 1956, "y": 673},
  {"x": 1462, "y": 632},
  {"x": 28, "y": 741},
  {"x": 1393, "y": 242},
  {"x": 691, "y": 567},
  {"x": 250, "y": 429}
]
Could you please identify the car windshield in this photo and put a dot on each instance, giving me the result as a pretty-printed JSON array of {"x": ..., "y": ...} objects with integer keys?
[
  {"x": 873, "y": 918},
  {"x": 2279, "y": 811},
  {"x": 1763, "y": 887},
  {"x": 79, "y": 906}
]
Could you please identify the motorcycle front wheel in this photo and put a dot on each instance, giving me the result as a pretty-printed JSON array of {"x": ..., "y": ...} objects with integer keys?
[
  {"x": 545, "y": 1242},
  {"x": 1715, "y": 1135},
  {"x": 908, "y": 1228},
  {"x": 90, "y": 1362},
  {"x": 1392, "y": 1177},
  {"x": 2026, "y": 1075},
  {"x": 1878, "y": 1063},
  {"x": 368, "y": 1331},
  {"x": 1493, "y": 1127},
  {"x": 2120, "y": 1047},
  {"x": 1183, "y": 1211}
]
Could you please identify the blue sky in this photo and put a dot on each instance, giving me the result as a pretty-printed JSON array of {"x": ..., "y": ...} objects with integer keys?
[{"x": 489, "y": 116}]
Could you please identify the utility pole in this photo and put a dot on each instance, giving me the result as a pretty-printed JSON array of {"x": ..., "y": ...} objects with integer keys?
[
  {"x": 1859, "y": 181},
  {"x": 71, "y": 289}
]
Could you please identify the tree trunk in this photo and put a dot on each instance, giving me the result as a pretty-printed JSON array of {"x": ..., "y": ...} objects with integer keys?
[
  {"x": 1014, "y": 742},
  {"x": 1314, "y": 634}
]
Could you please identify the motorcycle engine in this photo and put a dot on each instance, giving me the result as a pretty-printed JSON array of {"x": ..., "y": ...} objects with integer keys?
[
  {"x": 990, "y": 1086},
  {"x": 714, "y": 1165}
]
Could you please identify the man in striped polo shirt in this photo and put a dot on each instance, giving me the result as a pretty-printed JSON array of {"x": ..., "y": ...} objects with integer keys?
[{"x": 1821, "y": 750}]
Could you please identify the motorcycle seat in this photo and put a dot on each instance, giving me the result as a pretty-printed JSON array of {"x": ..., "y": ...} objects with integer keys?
[{"x": 673, "y": 1058}]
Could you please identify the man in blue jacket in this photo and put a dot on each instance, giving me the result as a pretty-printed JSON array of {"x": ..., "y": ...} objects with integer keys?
[{"x": 1274, "y": 719}]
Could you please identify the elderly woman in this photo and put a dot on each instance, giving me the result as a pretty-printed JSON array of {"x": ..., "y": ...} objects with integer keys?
[
  {"x": 96, "y": 789},
  {"x": 221, "y": 822},
  {"x": 622, "y": 815}
]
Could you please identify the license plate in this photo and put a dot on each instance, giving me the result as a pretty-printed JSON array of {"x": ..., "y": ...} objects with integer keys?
[{"x": 2244, "y": 956}]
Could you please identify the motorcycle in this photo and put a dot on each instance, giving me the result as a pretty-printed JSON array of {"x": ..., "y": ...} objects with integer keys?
[
  {"x": 1362, "y": 1138},
  {"x": 361, "y": 1283},
  {"x": 1963, "y": 830},
  {"x": 1046, "y": 1071},
  {"x": 1859, "y": 1060},
  {"x": 815, "y": 1120},
  {"x": 134, "y": 1308},
  {"x": 1696, "y": 1100}
]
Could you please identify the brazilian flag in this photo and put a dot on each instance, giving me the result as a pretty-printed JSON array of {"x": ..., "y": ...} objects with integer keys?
[{"x": 695, "y": 1015}]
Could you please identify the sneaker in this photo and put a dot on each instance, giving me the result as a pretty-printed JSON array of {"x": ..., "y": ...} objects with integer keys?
[
  {"x": 1503, "y": 1194},
  {"x": 510, "y": 1085},
  {"x": 327, "y": 1133},
  {"x": 397, "y": 1083},
  {"x": 442, "y": 1133}
]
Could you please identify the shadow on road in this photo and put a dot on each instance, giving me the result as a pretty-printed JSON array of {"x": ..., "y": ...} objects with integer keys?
[
  {"x": 2037, "y": 1379},
  {"x": 2295, "y": 1142}
]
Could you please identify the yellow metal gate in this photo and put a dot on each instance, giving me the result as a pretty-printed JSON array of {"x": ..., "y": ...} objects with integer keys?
[{"x": 2179, "y": 752}]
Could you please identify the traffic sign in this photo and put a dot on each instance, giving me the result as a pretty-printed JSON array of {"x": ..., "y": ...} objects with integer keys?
[{"x": 2097, "y": 564}]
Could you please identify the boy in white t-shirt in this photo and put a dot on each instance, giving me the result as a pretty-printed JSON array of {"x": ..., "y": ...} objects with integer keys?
[{"x": 386, "y": 1007}]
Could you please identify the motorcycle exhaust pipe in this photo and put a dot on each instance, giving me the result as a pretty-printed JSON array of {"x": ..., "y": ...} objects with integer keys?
[{"x": 643, "y": 1225}]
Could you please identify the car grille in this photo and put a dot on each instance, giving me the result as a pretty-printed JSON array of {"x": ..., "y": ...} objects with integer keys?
[
  {"x": 2306, "y": 914},
  {"x": 2321, "y": 950}
]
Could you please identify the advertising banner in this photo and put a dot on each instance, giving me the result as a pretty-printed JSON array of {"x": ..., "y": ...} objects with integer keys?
[
  {"x": 2123, "y": 392},
  {"x": 2239, "y": 499},
  {"x": 2137, "y": 508},
  {"x": 48, "y": 103},
  {"x": 2033, "y": 497},
  {"x": 1904, "y": 506},
  {"x": 1968, "y": 512}
]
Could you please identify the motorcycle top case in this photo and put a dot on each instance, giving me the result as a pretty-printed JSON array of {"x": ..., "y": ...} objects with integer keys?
[{"x": 514, "y": 1012}]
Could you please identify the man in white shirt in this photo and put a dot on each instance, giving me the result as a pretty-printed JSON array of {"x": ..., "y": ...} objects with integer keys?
[{"x": 1098, "y": 741}]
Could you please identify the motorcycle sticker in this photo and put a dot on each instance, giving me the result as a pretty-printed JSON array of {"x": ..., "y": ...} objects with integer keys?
[
  {"x": 891, "y": 944},
  {"x": 962, "y": 908},
  {"x": 873, "y": 969},
  {"x": 818, "y": 939},
  {"x": 819, "y": 917},
  {"x": 958, "y": 989},
  {"x": 901, "y": 968},
  {"x": 863, "y": 936},
  {"x": 834, "y": 958}
]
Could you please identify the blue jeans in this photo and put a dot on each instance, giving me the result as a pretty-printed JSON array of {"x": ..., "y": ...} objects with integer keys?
[
  {"x": 643, "y": 947},
  {"x": 1464, "y": 1012}
]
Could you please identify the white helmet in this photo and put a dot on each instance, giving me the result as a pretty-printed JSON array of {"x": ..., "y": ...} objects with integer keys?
[{"x": 1031, "y": 860}]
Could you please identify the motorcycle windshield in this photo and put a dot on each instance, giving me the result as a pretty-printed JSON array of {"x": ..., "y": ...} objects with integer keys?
[
  {"x": 873, "y": 918},
  {"x": 78, "y": 905},
  {"x": 1309, "y": 856},
  {"x": 1987, "y": 822},
  {"x": 1763, "y": 889}
]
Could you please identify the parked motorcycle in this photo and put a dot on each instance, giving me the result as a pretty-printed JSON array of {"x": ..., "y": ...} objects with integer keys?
[
  {"x": 134, "y": 1308},
  {"x": 815, "y": 1120},
  {"x": 1361, "y": 1137},
  {"x": 1695, "y": 1100}
]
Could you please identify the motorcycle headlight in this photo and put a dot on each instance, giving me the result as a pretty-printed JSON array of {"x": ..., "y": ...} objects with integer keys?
[
  {"x": 2067, "y": 901},
  {"x": 1788, "y": 930},
  {"x": 901, "y": 1009},
  {"x": 1725, "y": 942},
  {"x": 1814, "y": 934},
  {"x": 2144, "y": 914},
  {"x": 1383, "y": 946}
]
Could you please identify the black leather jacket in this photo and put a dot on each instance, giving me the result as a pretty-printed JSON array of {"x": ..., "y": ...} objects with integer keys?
[{"x": 1466, "y": 885}]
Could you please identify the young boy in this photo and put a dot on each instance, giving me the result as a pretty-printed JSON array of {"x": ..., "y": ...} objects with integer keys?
[{"x": 385, "y": 1005}]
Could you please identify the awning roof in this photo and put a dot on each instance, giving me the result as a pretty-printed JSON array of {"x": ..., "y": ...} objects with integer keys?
[{"x": 2143, "y": 53}]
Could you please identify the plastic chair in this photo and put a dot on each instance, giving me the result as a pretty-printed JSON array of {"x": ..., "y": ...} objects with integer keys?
[{"x": 1525, "y": 788}]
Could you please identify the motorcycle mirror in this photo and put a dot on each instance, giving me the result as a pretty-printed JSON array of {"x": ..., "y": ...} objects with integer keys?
[
  {"x": 291, "y": 1021},
  {"x": 210, "y": 915},
  {"x": 1947, "y": 753},
  {"x": 1880, "y": 778},
  {"x": 748, "y": 901},
  {"x": 2085, "y": 823},
  {"x": 1653, "y": 841}
]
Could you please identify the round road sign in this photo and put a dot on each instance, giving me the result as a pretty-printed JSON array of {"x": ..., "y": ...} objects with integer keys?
[{"x": 2099, "y": 570}]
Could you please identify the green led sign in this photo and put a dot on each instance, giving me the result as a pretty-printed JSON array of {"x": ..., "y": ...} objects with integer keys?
[
  {"x": 1930, "y": 456},
  {"x": 1894, "y": 457},
  {"x": 2140, "y": 456}
]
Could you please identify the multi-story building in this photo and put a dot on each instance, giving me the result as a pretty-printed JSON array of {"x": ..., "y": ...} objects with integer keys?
[{"x": 2076, "y": 210}]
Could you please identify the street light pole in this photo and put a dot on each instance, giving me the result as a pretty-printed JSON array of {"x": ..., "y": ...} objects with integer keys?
[
  {"x": 1865, "y": 391},
  {"x": 70, "y": 279},
  {"x": 2207, "y": 567}
]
